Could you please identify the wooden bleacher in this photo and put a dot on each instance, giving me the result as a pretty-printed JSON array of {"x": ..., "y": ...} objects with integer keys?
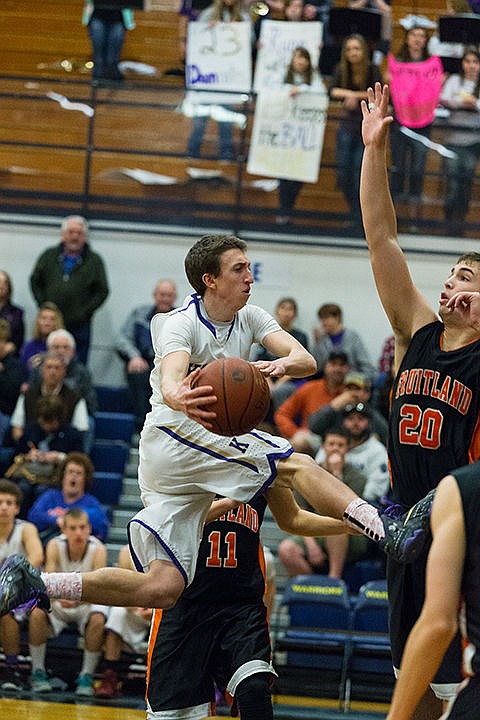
[{"x": 46, "y": 40}]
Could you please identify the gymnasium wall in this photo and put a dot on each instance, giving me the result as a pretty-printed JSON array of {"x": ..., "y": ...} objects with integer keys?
[{"x": 315, "y": 271}]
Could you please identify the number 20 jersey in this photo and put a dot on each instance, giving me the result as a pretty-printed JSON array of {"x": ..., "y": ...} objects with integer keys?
[{"x": 434, "y": 416}]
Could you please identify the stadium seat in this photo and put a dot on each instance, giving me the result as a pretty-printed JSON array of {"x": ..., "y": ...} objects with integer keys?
[
  {"x": 320, "y": 622},
  {"x": 114, "y": 426},
  {"x": 110, "y": 456},
  {"x": 107, "y": 487},
  {"x": 113, "y": 399},
  {"x": 370, "y": 663}
]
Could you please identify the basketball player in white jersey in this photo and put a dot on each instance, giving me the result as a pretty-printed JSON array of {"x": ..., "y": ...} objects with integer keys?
[
  {"x": 80, "y": 551},
  {"x": 183, "y": 465},
  {"x": 16, "y": 536}
]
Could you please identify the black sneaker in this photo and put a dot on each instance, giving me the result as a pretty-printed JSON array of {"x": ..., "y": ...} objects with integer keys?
[
  {"x": 21, "y": 584},
  {"x": 11, "y": 679},
  {"x": 406, "y": 538}
]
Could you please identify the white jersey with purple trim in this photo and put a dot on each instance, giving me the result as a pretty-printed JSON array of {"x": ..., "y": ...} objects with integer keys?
[
  {"x": 189, "y": 328},
  {"x": 14, "y": 543}
]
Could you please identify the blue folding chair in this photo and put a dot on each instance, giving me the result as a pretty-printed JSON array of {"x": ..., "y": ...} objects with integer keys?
[
  {"x": 107, "y": 487},
  {"x": 111, "y": 398},
  {"x": 110, "y": 456},
  {"x": 320, "y": 623},
  {"x": 114, "y": 426},
  {"x": 370, "y": 665}
]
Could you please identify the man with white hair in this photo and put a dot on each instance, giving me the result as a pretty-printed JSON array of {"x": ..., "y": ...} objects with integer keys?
[{"x": 73, "y": 276}]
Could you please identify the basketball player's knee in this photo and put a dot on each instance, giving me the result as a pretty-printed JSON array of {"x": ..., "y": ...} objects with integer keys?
[{"x": 254, "y": 690}]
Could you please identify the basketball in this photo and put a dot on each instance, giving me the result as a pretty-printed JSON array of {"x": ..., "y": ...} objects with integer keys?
[{"x": 243, "y": 395}]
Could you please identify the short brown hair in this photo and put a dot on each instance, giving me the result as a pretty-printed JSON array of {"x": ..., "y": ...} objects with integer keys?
[
  {"x": 80, "y": 459},
  {"x": 330, "y": 310},
  {"x": 49, "y": 408},
  {"x": 76, "y": 513},
  {"x": 469, "y": 258},
  {"x": 7, "y": 487},
  {"x": 204, "y": 257}
]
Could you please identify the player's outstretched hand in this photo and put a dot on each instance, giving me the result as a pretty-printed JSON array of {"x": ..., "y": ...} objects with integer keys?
[
  {"x": 273, "y": 368},
  {"x": 375, "y": 119}
]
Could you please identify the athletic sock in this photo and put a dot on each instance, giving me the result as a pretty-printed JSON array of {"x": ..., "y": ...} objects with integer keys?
[
  {"x": 359, "y": 514},
  {"x": 63, "y": 586}
]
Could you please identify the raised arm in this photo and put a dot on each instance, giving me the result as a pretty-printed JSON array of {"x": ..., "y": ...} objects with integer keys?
[{"x": 405, "y": 306}]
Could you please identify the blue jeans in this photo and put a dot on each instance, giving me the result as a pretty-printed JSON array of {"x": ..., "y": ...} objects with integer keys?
[
  {"x": 199, "y": 125},
  {"x": 107, "y": 41},
  {"x": 409, "y": 157},
  {"x": 349, "y": 153}
]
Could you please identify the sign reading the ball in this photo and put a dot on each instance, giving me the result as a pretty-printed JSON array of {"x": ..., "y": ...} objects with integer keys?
[{"x": 243, "y": 395}]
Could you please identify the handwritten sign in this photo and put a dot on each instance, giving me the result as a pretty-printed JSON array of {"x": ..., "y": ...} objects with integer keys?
[
  {"x": 287, "y": 135},
  {"x": 278, "y": 40},
  {"x": 219, "y": 56},
  {"x": 415, "y": 88}
]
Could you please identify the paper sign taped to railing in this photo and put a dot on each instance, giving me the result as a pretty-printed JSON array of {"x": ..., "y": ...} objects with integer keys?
[
  {"x": 278, "y": 40},
  {"x": 219, "y": 56},
  {"x": 287, "y": 135}
]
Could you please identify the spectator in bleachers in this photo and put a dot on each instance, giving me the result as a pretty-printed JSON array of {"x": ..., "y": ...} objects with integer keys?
[
  {"x": 75, "y": 550},
  {"x": 16, "y": 536},
  {"x": 353, "y": 75},
  {"x": 380, "y": 49},
  {"x": 332, "y": 335},
  {"x": 286, "y": 311},
  {"x": 51, "y": 381},
  {"x": 384, "y": 379},
  {"x": 73, "y": 276},
  {"x": 461, "y": 95},
  {"x": 48, "y": 318},
  {"x": 365, "y": 452},
  {"x": 409, "y": 154},
  {"x": 357, "y": 389},
  {"x": 11, "y": 313},
  {"x": 126, "y": 628},
  {"x": 134, "y": 345},
  {"x": 189, "y": 12},
  {"x": 450, "y": 49},
  {"x": 43, "y": 447},
  {"x": 308, "y": 555},
  {"x": 106, "y": 28},
  {"x": 11, "y": 373},
  {"x": 292, "y": 416},
  {"x": 224, "y": 11},
  {"x": 301, "y": 77},
  {"x": 76, "y": 475}
]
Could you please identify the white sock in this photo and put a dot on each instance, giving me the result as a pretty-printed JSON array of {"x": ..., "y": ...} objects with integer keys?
[
  {"x": 90, "y": 662},
  {"x": 359, "y": 514},
  {"x": 37, "y": 653},
  {"x": 63, "y": 586}
]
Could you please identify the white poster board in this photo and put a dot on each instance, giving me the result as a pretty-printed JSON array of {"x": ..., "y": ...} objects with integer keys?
[
  {"x": 219, "y": 57},
  {"x": 278, "y": 40},
  {"x": 287, "y": 135}
]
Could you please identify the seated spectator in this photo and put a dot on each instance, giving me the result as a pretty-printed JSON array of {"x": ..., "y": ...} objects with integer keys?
[
  {"x": 384, "y": 379},
  {"x": 461, "y": 94},
  {"x": 450, "y": 49},
  {"x": 365, "y": 452},
  {"x": 286, "y": 311},
  {"x": 48, "y": 318},
  {"x": 75, "y": 550},
  {"x": 106, "y": 29},
  {"x": 16, "y": 536},
  {"x": 43, "y": 447},
  {"x": 332, "y": 335},
  {"x": 357, "y": 390},
  {"x": 292, "y": 416},
  {"x": 134, "y": 345},
  {"x": 307, "y": 555},
  {"x": 126, "y": 628},
  {"x": 11, "y": 313},
  {"x": 51, "y": 381},
  {"x": 380, "y": 49},
  {"x": 10, "y": 371},
  {"x": 76, "y": 475}
]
